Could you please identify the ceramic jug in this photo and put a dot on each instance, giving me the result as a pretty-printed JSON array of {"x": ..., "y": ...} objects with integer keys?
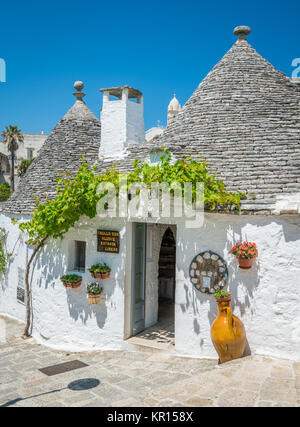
[{"x": 228, "y": 332}]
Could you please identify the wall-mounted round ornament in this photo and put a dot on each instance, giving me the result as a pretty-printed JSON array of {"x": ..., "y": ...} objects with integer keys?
[{"x": 208, "y": 272}]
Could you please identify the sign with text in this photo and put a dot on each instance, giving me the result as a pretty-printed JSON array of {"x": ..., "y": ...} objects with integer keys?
[{"x": 108, "y": 241}]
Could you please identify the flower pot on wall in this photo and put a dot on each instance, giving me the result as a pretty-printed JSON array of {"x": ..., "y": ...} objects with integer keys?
[
  {"x": 95, "y": 299},
  {"x": 246, "y": 263},
  {"x": 72, "y": 285},
  {"x": 96, "y": 275},
  {"x": 101, "y": 275},
  {"x": 228, "y": 333},
  {"x": 245, "y": 252}
]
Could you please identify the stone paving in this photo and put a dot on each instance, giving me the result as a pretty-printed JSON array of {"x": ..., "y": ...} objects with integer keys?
[
  {"x": 162, "y": 334},
  {"x": 131, "y": 379}
]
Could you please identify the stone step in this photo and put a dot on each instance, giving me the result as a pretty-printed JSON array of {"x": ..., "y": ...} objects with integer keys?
[{"x": 152, "y": 346}]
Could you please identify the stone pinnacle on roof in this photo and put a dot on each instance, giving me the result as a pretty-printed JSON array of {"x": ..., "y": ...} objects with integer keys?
[
  {"x": 174, "y": 104},
  {"x": 78, "y": 85},
  {"x": 77, "y": 134},
  {"x": 242, "y": 32}
]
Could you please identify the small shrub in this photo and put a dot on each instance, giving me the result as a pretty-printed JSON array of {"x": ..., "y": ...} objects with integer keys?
[
  {"x": 100, "y": 268},
  {"x": 221, "y": 294},
  {"x": 94, "y": 289},
  {"x": 5, "y": 192},
  {"x": 70, "y": 278}
]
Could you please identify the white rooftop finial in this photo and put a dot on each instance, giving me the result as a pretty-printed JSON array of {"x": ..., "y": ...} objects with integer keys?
[
  {"x": 174, "y": 104},
  {"x": 78, "y": 85}
]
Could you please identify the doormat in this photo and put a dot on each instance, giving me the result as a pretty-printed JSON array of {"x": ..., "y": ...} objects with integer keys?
[{"x": 63, "y": 367}]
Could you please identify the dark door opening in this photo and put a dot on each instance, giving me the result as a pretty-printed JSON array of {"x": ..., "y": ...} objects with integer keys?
[{"x": 167, "y": 279}]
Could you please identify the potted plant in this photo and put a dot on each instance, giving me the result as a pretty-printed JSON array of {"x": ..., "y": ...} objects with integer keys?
[
  {"x": 100, "y": 271},
  {"x": 222, "y": 296},
  {"x": 94, "y": 291},
  {"x": 245, "y": 252},
  {"x": 71, "y": 280}
]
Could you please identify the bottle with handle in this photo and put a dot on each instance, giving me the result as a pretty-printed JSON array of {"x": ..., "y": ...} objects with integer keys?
[{"x": 228, "y": 332}]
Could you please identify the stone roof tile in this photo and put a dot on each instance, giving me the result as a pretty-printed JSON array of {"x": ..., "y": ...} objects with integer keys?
[
  {"x": 76, "y": 135},
  {"x": 244, "y": 118}
]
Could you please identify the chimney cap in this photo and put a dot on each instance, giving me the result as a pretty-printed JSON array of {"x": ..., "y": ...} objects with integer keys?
[
  {"x": 117, "y": 92},
  {"x": 242, "y": 31}
]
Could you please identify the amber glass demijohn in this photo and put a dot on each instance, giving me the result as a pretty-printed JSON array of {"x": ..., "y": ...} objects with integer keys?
[{"x": 228, "y": 332}]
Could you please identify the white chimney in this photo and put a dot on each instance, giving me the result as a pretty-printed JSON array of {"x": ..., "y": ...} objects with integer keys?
[{"x": 122, "y": 120}]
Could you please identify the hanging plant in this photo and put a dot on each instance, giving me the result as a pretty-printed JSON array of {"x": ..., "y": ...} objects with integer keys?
[
  {"x": 71, "y": 281},
  {"x": 100, "y": 271},
  {"x": 245, "y": 252},
  {"x": 94, "y": 291}
]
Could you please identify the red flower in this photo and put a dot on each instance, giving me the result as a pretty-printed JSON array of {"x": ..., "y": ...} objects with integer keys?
[{"x": 244, "y": 250}]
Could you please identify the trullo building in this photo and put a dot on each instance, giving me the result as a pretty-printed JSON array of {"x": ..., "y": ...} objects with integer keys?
[{"x": 244, "y": 118}]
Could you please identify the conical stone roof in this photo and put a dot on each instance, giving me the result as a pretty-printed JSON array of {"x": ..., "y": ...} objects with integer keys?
[
  {"x": 77, "y": 134},
  {"x": 244, "y": 118}
]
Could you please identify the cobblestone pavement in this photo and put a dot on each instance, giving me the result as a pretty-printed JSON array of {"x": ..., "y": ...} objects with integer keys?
[{"x": 140, "y": 378}]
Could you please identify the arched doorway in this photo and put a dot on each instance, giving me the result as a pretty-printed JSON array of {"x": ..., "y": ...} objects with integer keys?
[
  {"x": 159, "y": 260},
  {"x": 167, "y": 268}
]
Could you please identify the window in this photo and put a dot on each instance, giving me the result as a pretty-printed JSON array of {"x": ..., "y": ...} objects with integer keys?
[
  {"x": 80, "y": 249},
  {"x": 156, "y": 155},
  {"x": 29, "y": 153}
]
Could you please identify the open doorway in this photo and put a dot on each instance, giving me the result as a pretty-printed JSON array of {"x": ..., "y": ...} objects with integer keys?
[
  {"x": 167, "y": 281},
  {"x": 159, "y": 282}
]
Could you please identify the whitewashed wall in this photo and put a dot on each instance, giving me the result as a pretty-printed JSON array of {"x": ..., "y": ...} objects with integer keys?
[
  {"x": 122, "y": 124},
  {"x": 63, "y": 318},
  {"x": 9, "y": 280},
  {"x": 113, "y": 127},
  {"x": 31, "y": 141},
  {"x": 135, "y": 128},
  {"x": 266, "y": 298}
]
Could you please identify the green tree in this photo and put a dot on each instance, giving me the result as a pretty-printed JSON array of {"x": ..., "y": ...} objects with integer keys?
[
  {"x": 5, "y": 192},
  {"x": 12, "y": 136}
]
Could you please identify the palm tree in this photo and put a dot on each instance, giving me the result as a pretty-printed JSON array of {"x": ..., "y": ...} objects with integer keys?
[{"x": 12, "y": 136}]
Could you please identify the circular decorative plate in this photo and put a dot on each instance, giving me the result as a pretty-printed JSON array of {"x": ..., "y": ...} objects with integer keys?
[{"x": 208, "y": 272}]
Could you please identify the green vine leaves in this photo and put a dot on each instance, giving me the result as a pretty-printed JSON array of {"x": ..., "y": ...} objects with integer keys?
[{"x": 76, "y": 195}]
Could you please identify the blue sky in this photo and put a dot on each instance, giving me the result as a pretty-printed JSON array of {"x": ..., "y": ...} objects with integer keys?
[{"x": 155, "y": 46}]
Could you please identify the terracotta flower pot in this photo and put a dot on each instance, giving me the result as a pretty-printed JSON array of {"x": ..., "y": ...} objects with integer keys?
[
  {"x": 228, "y": 333},
  {"x": 226, "y": 299},
  {"x": 100, "y": 275},
  {"x": 72, "y": 285},
  {"x": 245, "y": 263},
  {"x": 96, "y": 275},
  {"x": 94, "y": 299}
]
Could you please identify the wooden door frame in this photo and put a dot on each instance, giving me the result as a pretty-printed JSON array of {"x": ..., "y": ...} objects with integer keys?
[{"x": 129, "y": 278}]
